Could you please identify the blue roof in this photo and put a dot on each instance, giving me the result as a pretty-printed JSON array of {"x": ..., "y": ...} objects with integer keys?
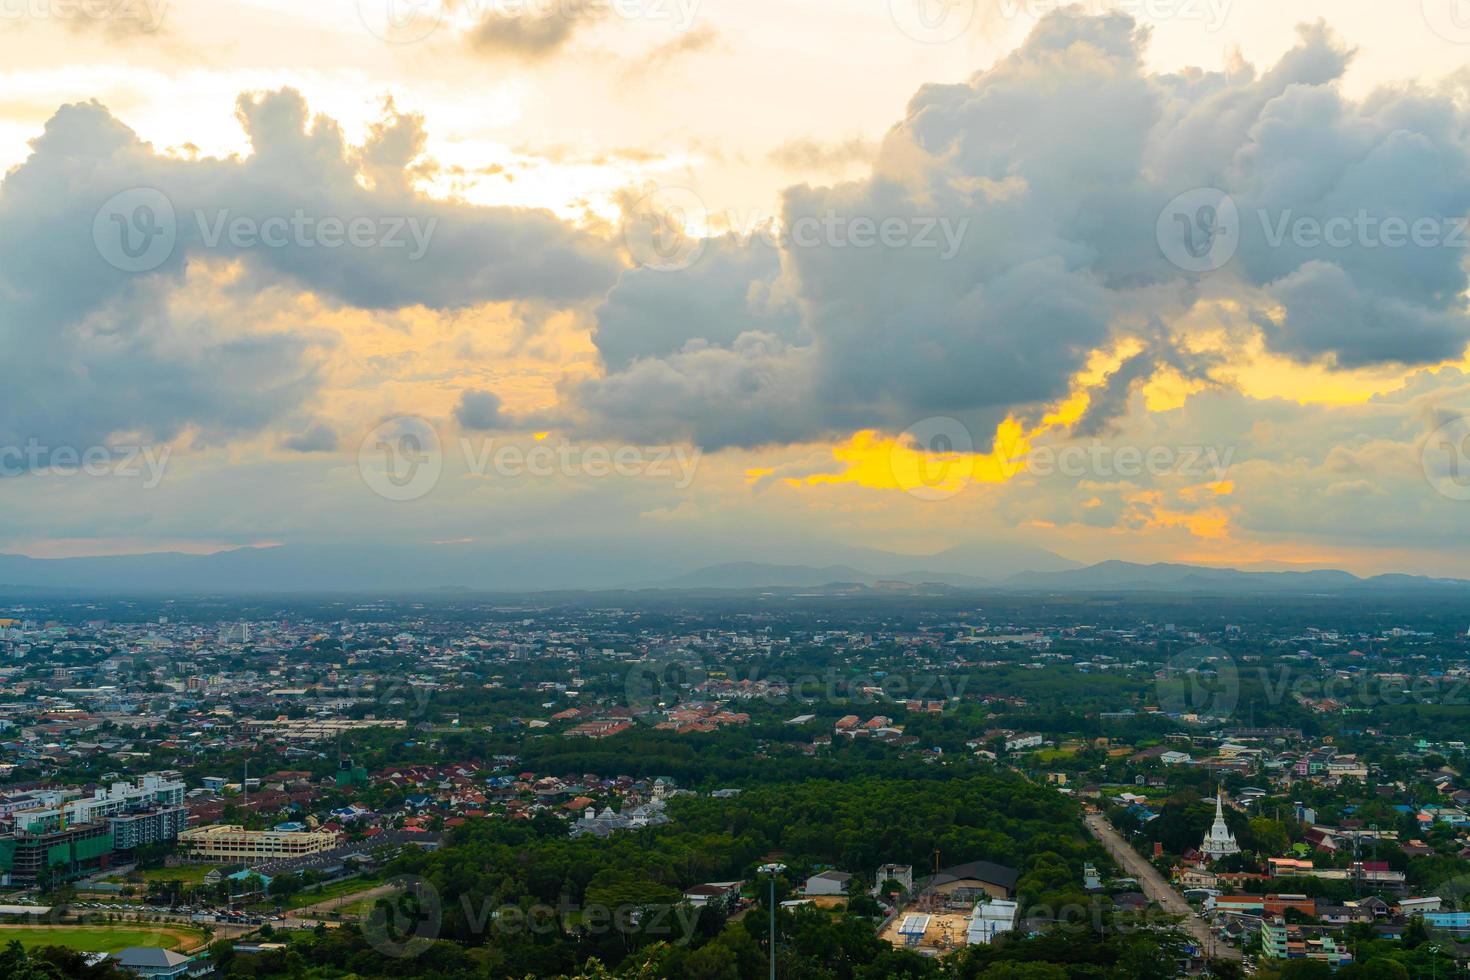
[{"x": 247, "y": 873}]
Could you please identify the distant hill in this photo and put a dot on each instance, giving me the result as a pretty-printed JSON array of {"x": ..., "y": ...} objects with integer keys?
[
  {"x": 1122, "y": 576},
  {"x": 682, "y": 561},
  {"x": 612, "y": 565},
  {"x": 757, "y": 575}
]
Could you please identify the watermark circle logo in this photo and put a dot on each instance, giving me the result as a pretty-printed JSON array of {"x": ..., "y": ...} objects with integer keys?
[
  {"x": 401, "y": 21},
  {"x": 933, "y": 21},
  {"x": 933, "y": 459},
  {"x": 401, "y": 459},
  {"x": 1201, "y": 681},
  {"x": 1450, "y": 19},
  {"x": 136, "y": 230},
  {"x": 406, "y": 922},
  {"x": 664, "y": 229},
  {"x": 658, "y": 684},
  {"x": 1199, "y": 231},
  {"x": 1454, "y": 896},
  {"x": 1445, "y": 457}
]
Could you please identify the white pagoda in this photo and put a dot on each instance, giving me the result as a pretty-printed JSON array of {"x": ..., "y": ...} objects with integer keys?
[{"x": 1219, "y": 842}]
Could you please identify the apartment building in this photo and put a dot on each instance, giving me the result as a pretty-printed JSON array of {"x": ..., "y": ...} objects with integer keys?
[
  {"x": 55, "y": 809},
  {"x": 1281, "y": 940}
]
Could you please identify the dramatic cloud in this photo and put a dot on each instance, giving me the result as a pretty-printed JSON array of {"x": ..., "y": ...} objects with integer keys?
[
  {"x": 149, "y": 294},
  {"x": 726, "y": 293},
  {"x": 1006, "y": 232}
]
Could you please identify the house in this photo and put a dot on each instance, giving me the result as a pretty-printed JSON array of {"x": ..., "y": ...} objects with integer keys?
[
  {"x": 1341, "y": 915},
  {"x": 901, "y": 873},
  {"x": 1376, "y": 907},
  {"x": 148, "y": 961},
  {"x": 1198, "y": 878},
  {"x": 1414, "y": 906},
  {"x": 1025, "y": 740},
  {"x": 827, "y": 883}
]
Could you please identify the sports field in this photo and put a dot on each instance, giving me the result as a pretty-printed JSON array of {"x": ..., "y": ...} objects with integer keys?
[{"x": 102, "y": 939}]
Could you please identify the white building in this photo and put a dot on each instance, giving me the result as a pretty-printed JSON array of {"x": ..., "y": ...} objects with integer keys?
[
  {"x": 52, "y": 808},
  {"x": 1219, "y": 842},
  {"x": 901, "y": 873},
  {"x": 1025, "y": 740},
  {"x": 990, "y": 919},
  {"x": 827, "y": 883}
]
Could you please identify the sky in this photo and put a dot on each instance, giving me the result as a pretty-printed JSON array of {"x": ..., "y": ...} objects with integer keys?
[{"x": 1155, "y": 280}]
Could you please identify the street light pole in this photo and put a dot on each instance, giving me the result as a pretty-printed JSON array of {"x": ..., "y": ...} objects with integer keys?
[{"x": 772, "y": 870}]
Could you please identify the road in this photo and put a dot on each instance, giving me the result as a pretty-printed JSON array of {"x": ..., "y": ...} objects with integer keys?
[{"x": 1155, "y": 887}]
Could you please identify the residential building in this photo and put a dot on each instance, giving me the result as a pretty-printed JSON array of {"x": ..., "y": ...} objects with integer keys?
[
  {"x": 901, "y": 873},
  {"x": 1283, "y": 941}
]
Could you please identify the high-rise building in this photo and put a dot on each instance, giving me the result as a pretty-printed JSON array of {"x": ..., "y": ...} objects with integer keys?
[{"x": 26, "y": 857}]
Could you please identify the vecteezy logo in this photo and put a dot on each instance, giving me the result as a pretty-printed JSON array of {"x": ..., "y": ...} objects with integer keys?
[
  {"x": 401, "y": 21},
  {"x": 1199, "y": 230},
  {"x": 406, "y": 922},
  {"x": 136, "y": 230},
  {"x": 1450, "y": 19},
  {"x": 658, "y": 684},
  {"x": 1446, "y": 459},
  {"x": 1449, "y": 928},
  {"x": 1201, "y": 681},
  {"x": 933, "y": 459},
  {"x": 933, "y": 21},
  {"x": 664, "y": 230},
  {"x": 401, "y": 459}
]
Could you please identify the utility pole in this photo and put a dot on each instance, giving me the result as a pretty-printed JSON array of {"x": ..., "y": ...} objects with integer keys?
[{"x": 772, "y": 870}]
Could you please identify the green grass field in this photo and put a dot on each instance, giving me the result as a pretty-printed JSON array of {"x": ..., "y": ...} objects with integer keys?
[
  {"x": 102, "y": 939},
  {"x": 340, "y": 889},
  {"x": 192, "y": 874}
]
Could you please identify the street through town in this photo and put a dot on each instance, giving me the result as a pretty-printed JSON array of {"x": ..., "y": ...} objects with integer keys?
[{"x": 1155, "y": 887}]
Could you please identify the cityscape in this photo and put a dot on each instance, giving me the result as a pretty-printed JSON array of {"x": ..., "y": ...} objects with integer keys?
[{"x": 928, "y": 784}]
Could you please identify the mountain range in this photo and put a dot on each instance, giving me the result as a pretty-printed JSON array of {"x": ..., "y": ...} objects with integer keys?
[{"x": 599, "y": 566}]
